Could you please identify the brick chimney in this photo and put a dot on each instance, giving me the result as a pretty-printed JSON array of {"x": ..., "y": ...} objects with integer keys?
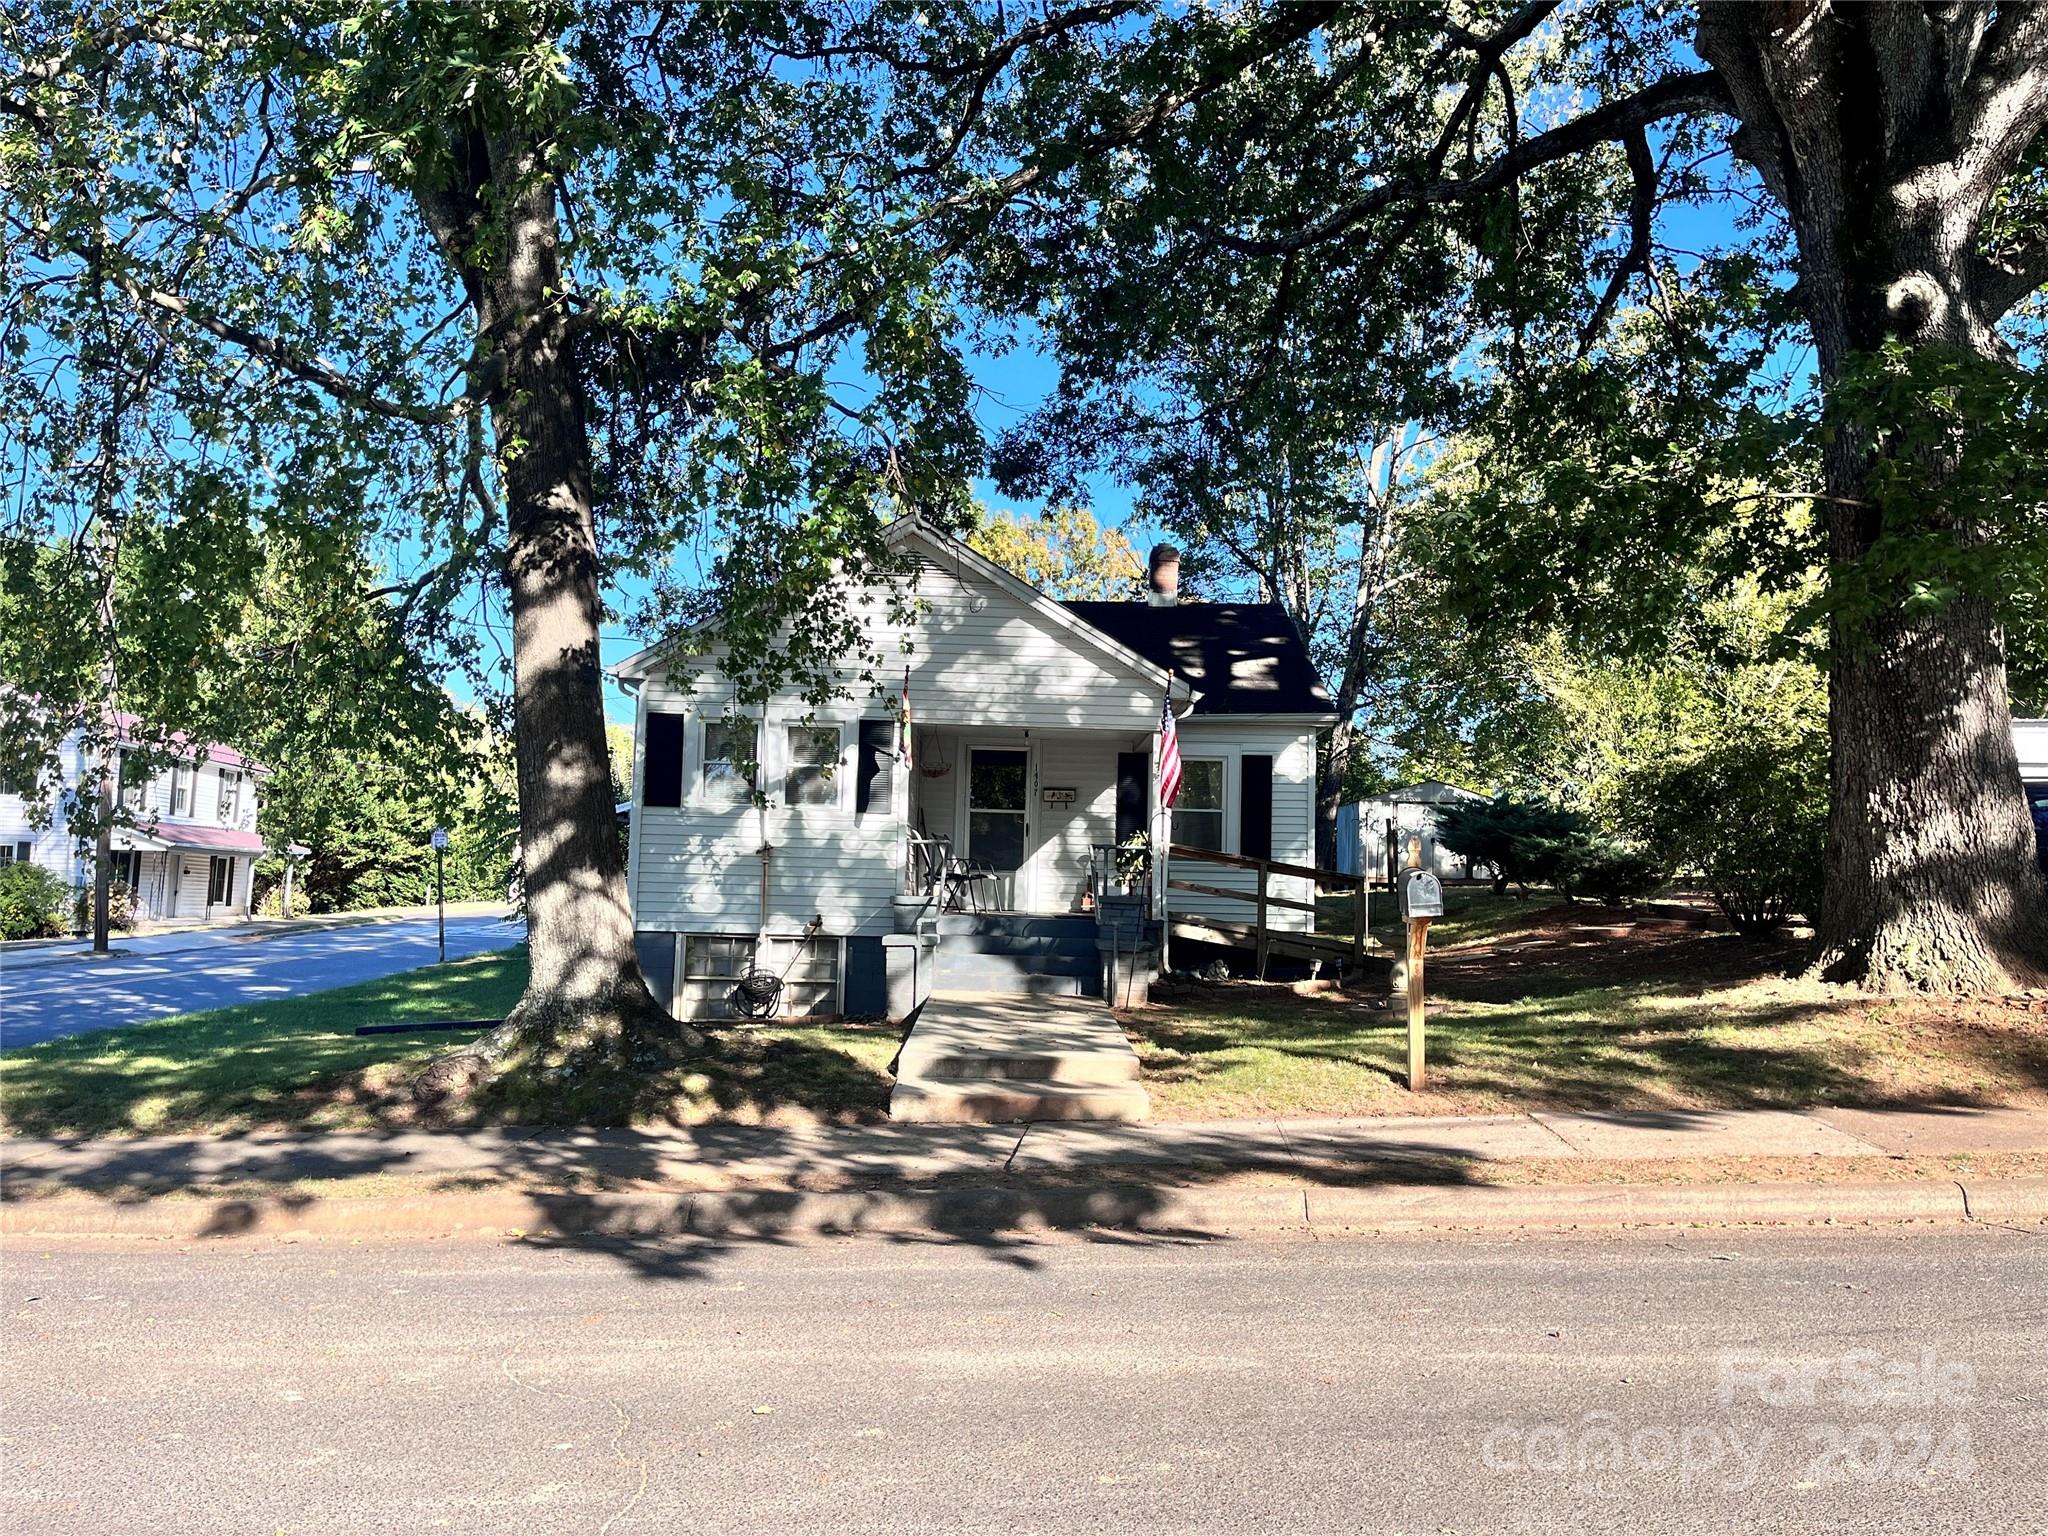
[{"x": 1165, "y": 576}]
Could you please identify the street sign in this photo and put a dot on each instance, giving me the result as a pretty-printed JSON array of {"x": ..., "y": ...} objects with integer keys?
[{"x": 440, "y": 838}]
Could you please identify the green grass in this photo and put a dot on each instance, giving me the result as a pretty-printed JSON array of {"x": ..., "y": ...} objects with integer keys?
[
  {"x": 1588, "y": 1034},
  {"x": 1471, "y": 914},
  {"x": 297, "y": 1064}
]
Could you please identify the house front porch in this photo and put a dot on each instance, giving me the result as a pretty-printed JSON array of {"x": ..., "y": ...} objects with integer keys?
[{"x": 1019, "y": 821}]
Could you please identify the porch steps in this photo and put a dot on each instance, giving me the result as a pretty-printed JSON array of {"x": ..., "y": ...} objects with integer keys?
[
  {"x": 986, "y": 1057},
  {"x": 1018, "y": 953}
]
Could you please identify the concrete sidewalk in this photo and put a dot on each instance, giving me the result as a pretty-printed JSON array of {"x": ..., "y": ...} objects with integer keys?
[{"x": 726, "y": 1157}]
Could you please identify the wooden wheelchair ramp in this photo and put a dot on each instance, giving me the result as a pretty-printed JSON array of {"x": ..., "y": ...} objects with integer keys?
[{"x": 987, "y": 1057}]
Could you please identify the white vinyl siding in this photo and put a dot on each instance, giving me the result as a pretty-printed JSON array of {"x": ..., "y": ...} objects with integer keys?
[{"x": 1293, "y": 750}]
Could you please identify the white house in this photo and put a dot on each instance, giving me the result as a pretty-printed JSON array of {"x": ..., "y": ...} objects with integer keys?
[
  {"x": 1372, "y": 835},
  {"x": 1034, "y": 747},
  {"x": 193, "y": 846}
]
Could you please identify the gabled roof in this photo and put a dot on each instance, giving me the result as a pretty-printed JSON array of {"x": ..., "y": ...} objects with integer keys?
[
  {"x": 1058, "y": 615},
  {"x": 1239, "y": 658}
]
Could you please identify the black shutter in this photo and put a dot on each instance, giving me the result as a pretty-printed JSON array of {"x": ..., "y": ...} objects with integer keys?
[
  {"x": 663, "y": 782},
  {"x": 1133, "y": 781},
  {"x": 874, "y": 775},
  {"x": 1255, "y": 811}
]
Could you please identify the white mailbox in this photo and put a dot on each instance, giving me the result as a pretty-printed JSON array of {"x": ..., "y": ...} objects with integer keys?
[{"x": 1422, "y": 894}]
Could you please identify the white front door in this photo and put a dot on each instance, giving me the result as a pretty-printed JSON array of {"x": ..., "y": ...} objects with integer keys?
[{"x": 1000, "y": 827}]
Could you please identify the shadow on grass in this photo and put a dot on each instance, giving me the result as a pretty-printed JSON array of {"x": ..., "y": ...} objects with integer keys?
[
  {"x": 296, "y": 1064},
  {"x": 1632, "y": 1021}
]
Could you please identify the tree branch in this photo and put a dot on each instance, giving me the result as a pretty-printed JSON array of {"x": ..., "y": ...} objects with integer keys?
[
  {"x": 2003, "y": 282},
  {"x": 1642, "y": 202},
  {"x": 1673, "y": 96},
  {"x": 152, "y": 301}
]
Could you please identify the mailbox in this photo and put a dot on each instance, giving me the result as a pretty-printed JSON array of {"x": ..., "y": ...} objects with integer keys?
[{"x": 1422, "y": 894}]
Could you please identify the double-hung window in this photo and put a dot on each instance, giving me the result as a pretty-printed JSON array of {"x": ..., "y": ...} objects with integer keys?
[
  {"x": 813, "y": 755},
  {"x": 182, "y": 775},
  {"x": 1198, "y": 812},
  {"x": 230, "y": 797},
  {"x": 725, "y": 775}
]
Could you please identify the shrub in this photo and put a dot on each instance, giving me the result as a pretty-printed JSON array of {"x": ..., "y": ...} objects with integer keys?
[
  {"x": 1609, "y": 872},
  {"x": 1526, "y": 841},
  {"x": 120, "y": 907},
  {"x": 31, "y": 902},
  {"x": 1751, "y": 817}
]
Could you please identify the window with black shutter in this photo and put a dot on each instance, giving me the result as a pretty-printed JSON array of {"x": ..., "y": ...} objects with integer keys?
[
  {"x": 663, "y": 780},
  {"x": 1255, "y": 807},
  {"x": 1133, "y": 775},
  {"x": 874, "y": 782}
]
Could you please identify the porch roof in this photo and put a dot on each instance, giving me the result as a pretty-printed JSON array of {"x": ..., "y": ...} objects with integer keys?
[{"x": 191, "y": 835}]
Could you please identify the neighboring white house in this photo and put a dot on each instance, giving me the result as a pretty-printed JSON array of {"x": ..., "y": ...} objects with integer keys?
[
  {"x": 1372, "y": 835},
  {"x": 1034, "y": 746},
  {"x": 2030, "y": 738},
  {"x": 194, "y": 845}
]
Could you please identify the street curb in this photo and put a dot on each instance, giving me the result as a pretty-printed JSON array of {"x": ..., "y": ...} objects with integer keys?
[{"x": 990, "y": 1209}]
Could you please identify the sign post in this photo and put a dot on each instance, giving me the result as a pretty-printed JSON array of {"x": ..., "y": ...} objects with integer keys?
[
  {"x": 1422, "y": 898},
  {"x": 440, "y": 888}
]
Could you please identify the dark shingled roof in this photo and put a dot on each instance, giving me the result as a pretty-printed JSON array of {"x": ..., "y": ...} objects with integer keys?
[{"x": 1240, "y": 658}]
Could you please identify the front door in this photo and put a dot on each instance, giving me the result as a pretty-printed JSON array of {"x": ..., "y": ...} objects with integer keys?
[{"x": 999, "y": 820}]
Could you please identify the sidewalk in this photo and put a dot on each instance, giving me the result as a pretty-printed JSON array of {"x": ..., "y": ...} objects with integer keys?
[
  {"x": 1485, "y": 1170},
  {"x": 33, "y": 954}
]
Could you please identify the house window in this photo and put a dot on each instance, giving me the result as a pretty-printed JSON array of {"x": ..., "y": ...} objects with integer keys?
[
  {"x": 13, "y": 853},
  {"x": 725, "y": 774},
  {"x": 124, "y": 867},
  {"x": 220, "y": 880},
  {"x": 134, "y": 780},
  {"x": 230, "y": 797},
  {"x": 182, "y": 775},
  {"x": 1198, "y": 813},
  {"x": 712, "y": 962},
  {"x": 813, "y": 755}
]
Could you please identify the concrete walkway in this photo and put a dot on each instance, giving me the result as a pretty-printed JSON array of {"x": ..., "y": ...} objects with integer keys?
[
  {"x": 992, "y": 1057},
  {"x": 742, "y": 1157}
]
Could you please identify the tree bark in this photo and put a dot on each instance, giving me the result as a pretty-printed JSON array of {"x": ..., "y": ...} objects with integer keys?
[
  {"x": 586, "y": 1007},
  {"x": 1863, "y": 123}
]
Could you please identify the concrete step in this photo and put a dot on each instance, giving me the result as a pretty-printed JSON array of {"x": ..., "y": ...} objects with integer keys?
[
  {"x": 1017, "y": 965},
  {"x": 1018, "y": 944},
  {"x": 921, "y": 1100},
  {"x": 1014, "y": 982},
  {"x": 1043, "y": 1058},
  {"x": 1017, "y": 925}
]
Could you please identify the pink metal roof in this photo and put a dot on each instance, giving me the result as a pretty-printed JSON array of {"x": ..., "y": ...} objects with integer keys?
[
  {"x": 193, "y": 834},
  {"x": 228, "y": 757}
]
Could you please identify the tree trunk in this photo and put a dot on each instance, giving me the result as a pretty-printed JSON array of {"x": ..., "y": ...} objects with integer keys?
[
  {"x": 586, "y": 1009},
  {"x": 1930, "y": 878},
  {"x": 1330, "y": 790}
]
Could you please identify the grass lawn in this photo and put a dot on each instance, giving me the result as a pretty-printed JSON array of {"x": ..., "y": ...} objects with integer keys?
[
  {"x": 1589, "y": 1010},
  {"x": 1471, "y": 913},
  {"x": 296, "y": 1064}
]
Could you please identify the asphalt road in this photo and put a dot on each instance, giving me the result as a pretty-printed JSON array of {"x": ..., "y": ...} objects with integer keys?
[
  {"x": 1824, "y": 1382},
  {"x": 41, "y": 998}
]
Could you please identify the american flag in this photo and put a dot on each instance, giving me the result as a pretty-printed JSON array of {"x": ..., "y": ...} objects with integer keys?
[
  {"x": 903, "y": 720},
  {"x": 1169, "y": 753}
]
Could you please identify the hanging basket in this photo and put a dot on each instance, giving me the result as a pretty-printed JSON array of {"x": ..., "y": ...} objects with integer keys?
[{"x": 934, "y": 766}]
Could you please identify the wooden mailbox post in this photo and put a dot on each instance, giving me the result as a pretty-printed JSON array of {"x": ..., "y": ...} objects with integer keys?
[{"x": 1422, "y": 898}]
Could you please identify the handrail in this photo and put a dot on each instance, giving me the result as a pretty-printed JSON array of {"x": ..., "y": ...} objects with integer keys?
[
  {"x": 1266, "y": 869},
  {"x": 1239, "y": 861}
]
